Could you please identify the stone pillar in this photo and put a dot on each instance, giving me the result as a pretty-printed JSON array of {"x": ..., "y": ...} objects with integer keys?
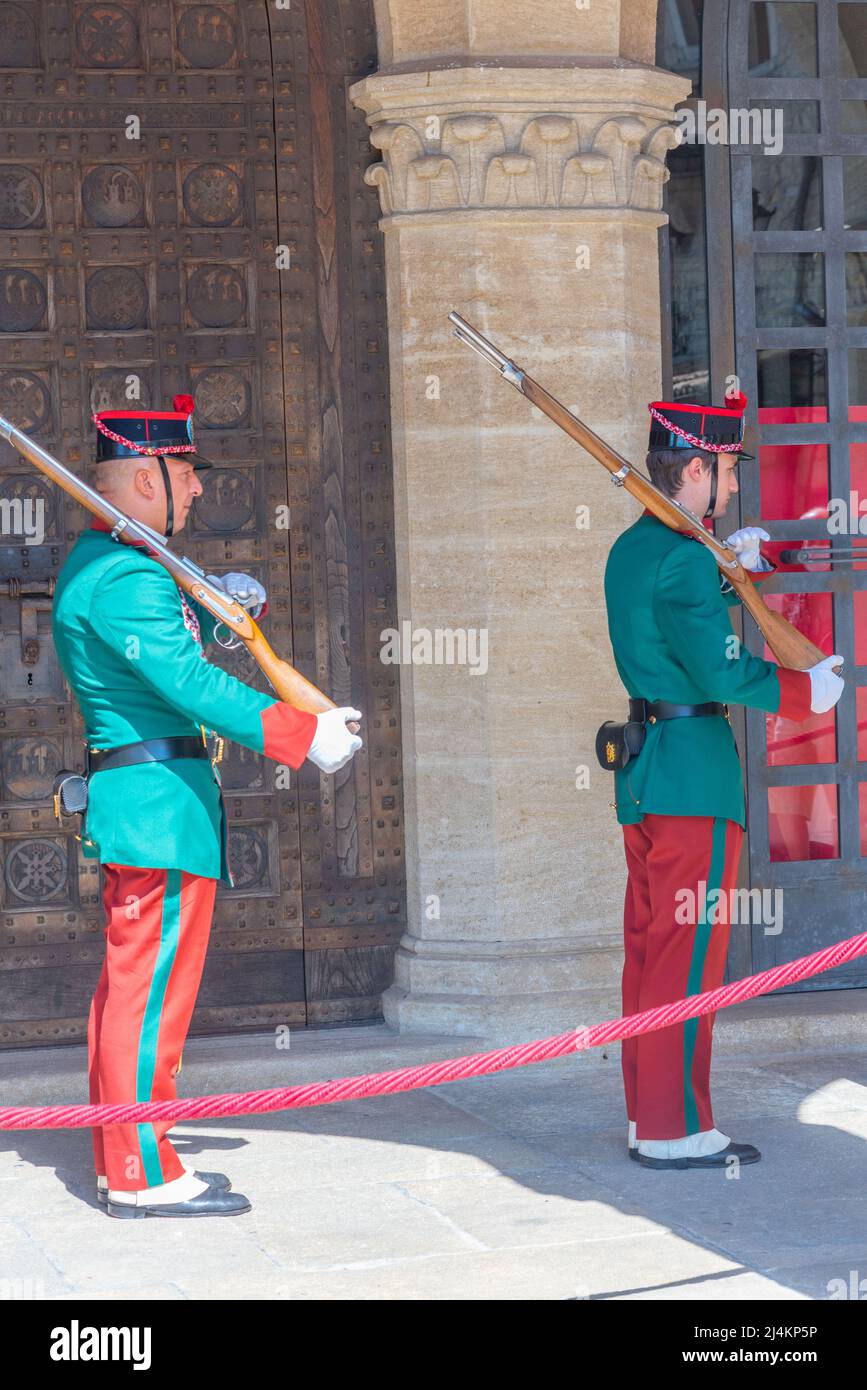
[{"x": 524, "y": 193}]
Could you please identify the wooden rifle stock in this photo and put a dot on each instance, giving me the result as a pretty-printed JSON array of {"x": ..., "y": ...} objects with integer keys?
[
  {"x": 288, "y": 684},
  {"x": 790, "y": 647}
]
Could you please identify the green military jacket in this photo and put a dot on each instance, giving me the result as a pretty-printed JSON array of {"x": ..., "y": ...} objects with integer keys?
[
  {"x": 672, "y": 637},
  {"x": 131, "y": 648}
]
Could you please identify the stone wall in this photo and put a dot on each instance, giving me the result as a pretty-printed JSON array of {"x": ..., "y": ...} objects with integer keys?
[{"x": 526, "y": 195}]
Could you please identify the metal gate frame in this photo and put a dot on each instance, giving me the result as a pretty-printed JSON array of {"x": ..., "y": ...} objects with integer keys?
[{"x": 831, "y": 892}]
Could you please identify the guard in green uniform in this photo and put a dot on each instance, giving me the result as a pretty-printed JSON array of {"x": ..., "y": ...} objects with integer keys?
[
  {"x": 131, "y": 646},
  {"x": 680, "y": 799}
]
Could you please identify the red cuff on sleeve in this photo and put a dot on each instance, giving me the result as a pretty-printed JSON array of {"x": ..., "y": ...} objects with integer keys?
[
  {"x": 287, "y": 733},
  {"x": 264, "y": 610},
  {"x": 795, "y": 694}
]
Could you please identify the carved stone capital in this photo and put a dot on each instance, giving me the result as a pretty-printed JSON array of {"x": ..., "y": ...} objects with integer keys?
[{"x": 474, "y": 138}]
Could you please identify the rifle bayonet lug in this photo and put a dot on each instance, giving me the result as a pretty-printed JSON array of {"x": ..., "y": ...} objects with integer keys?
[{"x": 513, "y": 375}]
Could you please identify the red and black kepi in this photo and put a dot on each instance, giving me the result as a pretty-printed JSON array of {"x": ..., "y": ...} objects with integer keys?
[
  {"x": 717, "y": 429},
  {"x": 685, "y": 425},
  {"x": 123, "y": 434},
  {"x": 147, "y": 434}
]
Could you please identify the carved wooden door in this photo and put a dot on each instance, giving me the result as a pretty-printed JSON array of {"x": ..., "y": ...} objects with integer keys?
[{"x": 182, "y": 208}]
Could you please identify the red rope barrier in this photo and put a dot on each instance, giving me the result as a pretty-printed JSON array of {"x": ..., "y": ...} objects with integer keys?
[{"x": 438, "y": 1073}]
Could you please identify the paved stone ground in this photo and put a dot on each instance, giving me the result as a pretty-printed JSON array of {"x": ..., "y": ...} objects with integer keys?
[{"x": 508, "y": 1187}]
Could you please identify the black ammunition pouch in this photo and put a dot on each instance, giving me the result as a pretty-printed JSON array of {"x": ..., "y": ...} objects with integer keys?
[
  {"x": 70, "y": 793},
  {"x": 616, "y": 744},
  {"x": 70, "y": 788}
]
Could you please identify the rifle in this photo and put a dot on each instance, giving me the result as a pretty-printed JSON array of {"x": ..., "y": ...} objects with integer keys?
[
  {"x": 790, "y": 647},
  {"x": 288, "y": 684}
]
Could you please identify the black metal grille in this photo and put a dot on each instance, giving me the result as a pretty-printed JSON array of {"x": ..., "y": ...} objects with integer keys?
[{"x": 824, "y": 898}]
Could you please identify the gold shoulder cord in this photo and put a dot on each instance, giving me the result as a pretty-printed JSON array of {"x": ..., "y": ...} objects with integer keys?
[{"x": 218, "y": 754}]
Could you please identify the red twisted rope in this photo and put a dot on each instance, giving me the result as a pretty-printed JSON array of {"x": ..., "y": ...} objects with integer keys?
[{"x": 437, "y": 1073}]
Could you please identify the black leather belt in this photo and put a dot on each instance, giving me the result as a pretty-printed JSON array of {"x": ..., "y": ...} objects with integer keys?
[
  {"x": 149, "y": 750},
  {"x": 648, "y": 711}
]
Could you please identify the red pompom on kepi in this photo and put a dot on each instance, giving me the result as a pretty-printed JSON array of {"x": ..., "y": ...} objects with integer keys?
[
  {"x": 185, "y": 403},
  {"x": 736, "y": 400}
]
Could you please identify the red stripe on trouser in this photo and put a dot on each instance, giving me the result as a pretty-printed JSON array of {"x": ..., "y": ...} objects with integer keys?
[
  {"x": 664, "y": 855},
  {"x": 133, "y": 900}
]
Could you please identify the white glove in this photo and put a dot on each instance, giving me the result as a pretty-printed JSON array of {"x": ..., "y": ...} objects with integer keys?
[
  {"x": 333, "y": 745},
  {"x": 826, "y": 687},
  {"x": 746, "y": 543},
  {"x": 243, "y": 587}
]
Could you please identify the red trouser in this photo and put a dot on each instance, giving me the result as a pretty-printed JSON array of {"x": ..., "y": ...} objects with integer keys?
[
  {"x": 157, "y": 927},
  {"x": 666, "y": 1074}
]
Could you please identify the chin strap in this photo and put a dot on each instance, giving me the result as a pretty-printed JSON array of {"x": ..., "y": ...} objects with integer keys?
[
  {"x": 170, "y": 505},
  {"x": 714, "y": 481}
]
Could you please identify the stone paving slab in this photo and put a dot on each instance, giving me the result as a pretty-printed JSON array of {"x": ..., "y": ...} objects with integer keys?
[{"x": 509, "y": 1187}]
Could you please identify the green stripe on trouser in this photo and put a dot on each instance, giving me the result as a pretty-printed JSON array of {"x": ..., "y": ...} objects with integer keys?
[
  {"x": 170, "y": 931},
  {"x": 700, "y": 945}
]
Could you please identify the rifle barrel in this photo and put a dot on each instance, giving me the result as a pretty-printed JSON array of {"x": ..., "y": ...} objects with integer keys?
[
  {"x": 59, "y": 473},
  {"x": 790, "y": 647},
  {"x": 94, "y": 501},
  {"x": 504, "y": 365},
  {"x": 289, "y": 685}
]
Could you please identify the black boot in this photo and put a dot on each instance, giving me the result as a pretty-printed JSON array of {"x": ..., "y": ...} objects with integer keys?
[
  {"x": 212, "y": 1202},
  {"x": 218, "y": 1180},
  {"x": 745, "y": 1153}
]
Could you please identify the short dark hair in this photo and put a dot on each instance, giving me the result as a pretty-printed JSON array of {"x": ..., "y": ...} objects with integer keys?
[{"x": 666, "y": 466}]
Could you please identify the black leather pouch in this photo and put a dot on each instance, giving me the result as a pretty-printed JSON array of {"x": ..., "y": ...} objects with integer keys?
[
  {"x": 616, "y": 744},
  {"x": 70, "y": 793}
]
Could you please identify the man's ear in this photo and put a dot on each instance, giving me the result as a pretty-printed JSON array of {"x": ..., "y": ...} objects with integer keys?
[
  {"x": 144, "y": 482},
  {"x": 695, "y": 467}
]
